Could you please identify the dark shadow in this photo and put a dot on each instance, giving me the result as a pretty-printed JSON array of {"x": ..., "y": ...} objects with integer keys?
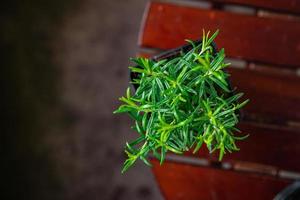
[{"x": 29, "y": 93}]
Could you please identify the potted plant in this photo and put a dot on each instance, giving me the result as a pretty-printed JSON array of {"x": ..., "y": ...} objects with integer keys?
[{"x": 182, "y": 100}]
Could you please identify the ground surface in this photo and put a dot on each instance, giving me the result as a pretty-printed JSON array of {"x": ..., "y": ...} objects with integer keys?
[
  {"x": 95, "y": 44},
  {"x": 64, "y": 67}
]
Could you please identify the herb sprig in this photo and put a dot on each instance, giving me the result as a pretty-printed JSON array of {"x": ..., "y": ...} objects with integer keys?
[{"x": 182, "y": 103}]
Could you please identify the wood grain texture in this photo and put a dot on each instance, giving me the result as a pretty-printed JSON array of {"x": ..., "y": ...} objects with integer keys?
[
  {"x": 273, "y": 41},
  {"x": 276, "y": 147},
  {"x": 274, "y": 97},
  {"x": 292, "y": 6},
  {"x": 180, "y": 181}
]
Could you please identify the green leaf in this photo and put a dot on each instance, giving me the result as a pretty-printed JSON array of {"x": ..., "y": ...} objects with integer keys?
[
  {"x": 181, "y": 74},
  {"x": 191, "y": 42},
  {"x": 199, "y": 144},
  {"x": 123, "y": 109},
  {"x": 138, "y": 128},
  {"x": 162, "y": 155},
  {"x": 242, "y": 104},
  {"x": 128, "y": 163},
  {"x": 241, "y": 137},
  {"x": 234, "y": 98},
  {"x": 209, "y": 41},
  {"x": 145, "y": 161},
  {"x": 137, "y": 141},
  {"x": 219, "y": 83},
  {"x": 182, "y": 103},
  {"x": 222, "y": 152},
  {"x": 218, "y": 61},
  {"x": 136, "y": 69},
  {"x": 160, "y": 85},
  {"x": 144, "y": 121}
]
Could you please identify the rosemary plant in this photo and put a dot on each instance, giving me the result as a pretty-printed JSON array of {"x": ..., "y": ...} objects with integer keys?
[{"x": 182, "y": 103}]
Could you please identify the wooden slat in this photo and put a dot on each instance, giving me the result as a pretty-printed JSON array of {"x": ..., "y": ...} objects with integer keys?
[
  {"x": 274, "y": 97},
  {"x": 266, "y": 40},
  {"x": 180, "y": 181},
  {"x": 276, "y": 147},
  {"x": 276, "y": 5},
  {"x": 271, "y": 146}
]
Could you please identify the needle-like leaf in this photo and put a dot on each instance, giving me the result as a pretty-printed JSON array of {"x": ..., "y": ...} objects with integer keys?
[{"x": 182, "y": 104}]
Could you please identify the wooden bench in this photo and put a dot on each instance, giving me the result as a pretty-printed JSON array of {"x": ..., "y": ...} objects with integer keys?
[{"x": 262, "y": 39}]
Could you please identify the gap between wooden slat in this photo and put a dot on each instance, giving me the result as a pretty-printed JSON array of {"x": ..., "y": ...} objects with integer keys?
[
  {"x": 233, "y": 8},
  {"x": 245, "y": 167},
  {"x": 236, "y": 8},
  {"x": 276, "y": 15},
  {"x": 289, "y": 175},
  {"x": 298, "y": 72},
  {"x": 190, "y": 3},
  {"x": 290, "y": 126},
  {"x": 246, "y": 10},
  {"x": 264, "y": 6},
  {"x": 271, "y": 69},
  {"x": 235, "y": 63}
]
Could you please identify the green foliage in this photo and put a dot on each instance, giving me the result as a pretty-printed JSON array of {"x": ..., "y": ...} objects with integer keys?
[{"x": 181, "y": 104}]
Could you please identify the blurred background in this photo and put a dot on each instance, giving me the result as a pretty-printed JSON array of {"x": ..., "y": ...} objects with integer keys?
[{"x": 63, "y": 67}]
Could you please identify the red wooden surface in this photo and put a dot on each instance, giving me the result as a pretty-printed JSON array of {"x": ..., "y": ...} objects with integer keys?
[
  {"x": 267, "y": 40},
  {"x": 275, "y": 147},
  {"x": 273, "y": 97},
  {"x": 180, "y": 181},
  {"x": 277, "y": 5}
]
